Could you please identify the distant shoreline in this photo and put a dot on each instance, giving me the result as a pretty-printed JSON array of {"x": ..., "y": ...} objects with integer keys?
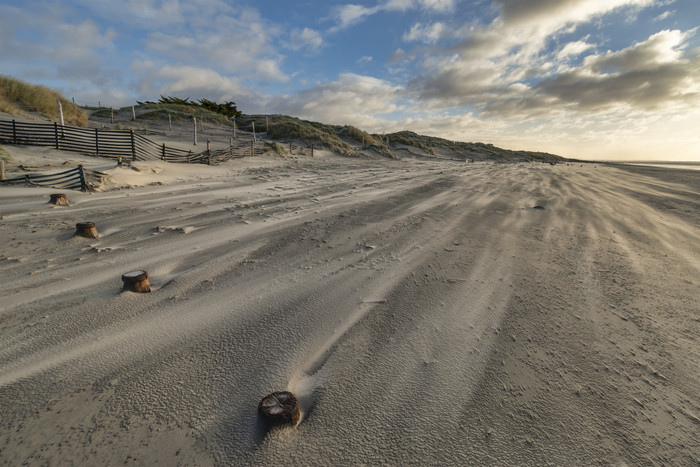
[{"x": 681, "y": 165}]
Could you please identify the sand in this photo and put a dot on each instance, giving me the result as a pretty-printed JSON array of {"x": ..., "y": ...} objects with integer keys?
[{"x": 422, "y": 311}]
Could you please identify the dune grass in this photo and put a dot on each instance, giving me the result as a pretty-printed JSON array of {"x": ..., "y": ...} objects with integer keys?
[{"x": 17, "y": 96}]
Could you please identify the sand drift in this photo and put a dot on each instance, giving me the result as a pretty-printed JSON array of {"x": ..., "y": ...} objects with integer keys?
[{"x": 422, "y": 312}]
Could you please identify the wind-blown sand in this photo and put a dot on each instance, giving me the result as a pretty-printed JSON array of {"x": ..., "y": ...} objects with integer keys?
[{"x": 423, "y": 312}]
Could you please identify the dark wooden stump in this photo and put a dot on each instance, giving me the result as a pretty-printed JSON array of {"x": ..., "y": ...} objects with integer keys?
[
  {"x": 136, "y": 281},
  {"x": 59, "y": 199},
  {"x": 87, "y": 230},
  {"x": 279, "y": 407}
]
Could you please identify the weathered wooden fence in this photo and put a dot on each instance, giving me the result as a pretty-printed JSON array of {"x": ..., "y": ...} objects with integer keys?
[
  {"x": 114, "y": 144},
  {"x": 79, "y": 178}
]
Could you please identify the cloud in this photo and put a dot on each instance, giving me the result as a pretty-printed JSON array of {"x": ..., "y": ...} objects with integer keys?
[
  {"x": 572, "y": 49},
  {"x": 351, "y": 99},
  {"x": 305, "y": 38},
  {"x": 350, "y": 14},
  {"x": 649, "y": 75},
  {"x": 428, "y": 33},
  {"x": 515, "y": 47},
  {"x": 186, "y": 81}
]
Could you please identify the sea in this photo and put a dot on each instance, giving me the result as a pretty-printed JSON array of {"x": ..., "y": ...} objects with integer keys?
[{"x": 686, "y": 165}]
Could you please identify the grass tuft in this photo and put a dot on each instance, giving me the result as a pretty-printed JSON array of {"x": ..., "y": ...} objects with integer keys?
[{"x": 17, "y": 96}]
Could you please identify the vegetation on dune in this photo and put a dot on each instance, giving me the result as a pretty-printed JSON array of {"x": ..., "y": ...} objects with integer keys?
[
  {"x": 227, "y": 109},
  {"x": 429, "y": 144},
  {"x": 410, "y": 138},
  {"x": 294, "y": 128},
  {"x": 17, "y": 96}
]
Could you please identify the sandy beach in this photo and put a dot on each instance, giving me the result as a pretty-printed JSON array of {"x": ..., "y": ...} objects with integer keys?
[{"x": 425, "y": 312}]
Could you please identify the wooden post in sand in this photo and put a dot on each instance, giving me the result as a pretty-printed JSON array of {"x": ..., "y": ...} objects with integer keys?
[
  {"x": 163, "y": 153},
  {"x": 133, "y": 112},
  {"x": 87, "y": 230},
  {"x": 60, "y": 111},
  {"x": 195, "y": 130},
  {"x": 59, "y": 199},
  {"x": 254, "y": 132},
  {"x": 2, "y": 169},
  {"x": 267, "y": 125},
  {"x": 280, "y": 407},
  {"x": 136, "y": 281},
  {"x": 133, "y": 145}
]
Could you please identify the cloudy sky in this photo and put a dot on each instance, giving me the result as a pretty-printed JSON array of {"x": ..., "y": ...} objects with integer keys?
[{"x": 596, "y": 79}]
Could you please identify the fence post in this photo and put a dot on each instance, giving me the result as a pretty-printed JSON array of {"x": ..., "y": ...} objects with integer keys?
[
  {"x": 189, "y": 154},
  {"x": 163, "y": 156},
  {"x": 312, "y": 150},
  {"x": 133, "y": 145},
  {"x": 195, "y": 130},
  {"x": 14, "y": 132},
  {"x": 60, "y": 111},
  {"x": 55, "y": 132},
  {"x": 2, "y": 170},
  {"x": 83, "y": 183},
  {"x": 253, "y": 131},
  {"x": 97, "y": 143},
  {"x": 133, "y": 112}
]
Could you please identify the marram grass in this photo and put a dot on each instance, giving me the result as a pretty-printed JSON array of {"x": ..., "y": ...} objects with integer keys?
[{"x": 17, "y": 96}]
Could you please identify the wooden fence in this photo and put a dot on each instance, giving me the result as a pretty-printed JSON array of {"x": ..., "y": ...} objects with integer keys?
[
  {"x": 79, "y": 178},
  {"x": 114, "y": 144}
]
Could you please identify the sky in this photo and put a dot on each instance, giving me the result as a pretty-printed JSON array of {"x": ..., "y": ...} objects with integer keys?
[{"x": 592, "y": 79}]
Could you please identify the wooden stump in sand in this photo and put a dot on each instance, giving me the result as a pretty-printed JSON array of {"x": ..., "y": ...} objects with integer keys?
[
  {"x": 282, "y": 406},
  {"x": 136, "y": 281},
  {"x": 86, "y": 229},
  {"x": 59, "y": 199}
]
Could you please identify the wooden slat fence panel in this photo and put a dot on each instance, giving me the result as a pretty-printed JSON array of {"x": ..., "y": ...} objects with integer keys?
[
  {"x": 113, "y": 144},
  {"x": 79, "y": 178}
]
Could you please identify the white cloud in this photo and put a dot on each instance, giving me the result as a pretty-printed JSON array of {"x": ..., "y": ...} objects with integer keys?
[
  {"x": 351, "y": 14},
  {"x": 665, "y": 15},
  {"x": 347, "y": 15},
  {"x": 438, "y": 5},
  {"x": 352, "y": 99},
  {"x": 428, "y": 33},
  {"x": 573, "y": 49},
  {"x": 305, "y": 38}
]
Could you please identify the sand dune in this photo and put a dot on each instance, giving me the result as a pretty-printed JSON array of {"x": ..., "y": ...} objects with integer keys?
[{"x": 423, "y": 312}]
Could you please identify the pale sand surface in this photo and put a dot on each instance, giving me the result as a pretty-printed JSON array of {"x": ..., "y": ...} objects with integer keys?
[{"x": 423, "y": 312}]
